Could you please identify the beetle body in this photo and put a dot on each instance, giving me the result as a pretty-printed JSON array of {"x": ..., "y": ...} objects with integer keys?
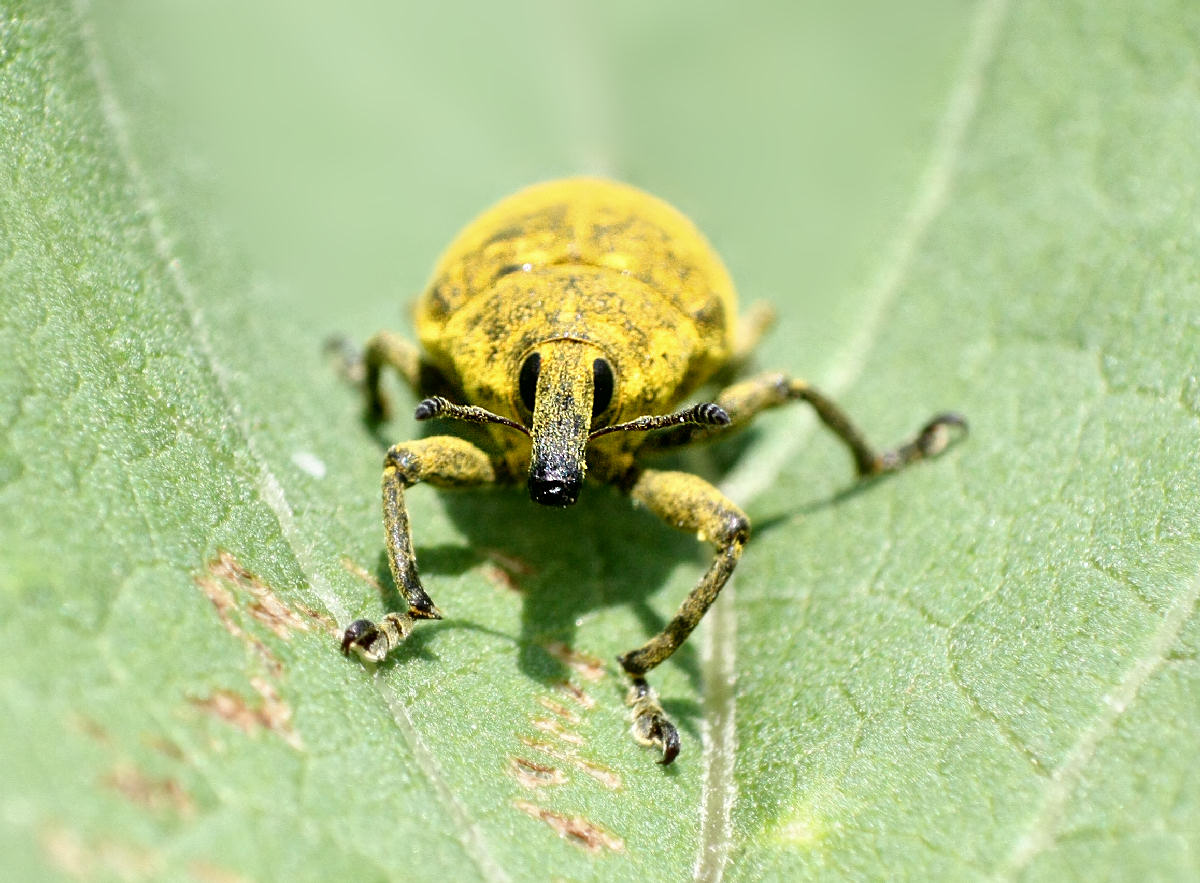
[
  {"x": 594, "y": 269},
  {"x": 571, "y": 320}
]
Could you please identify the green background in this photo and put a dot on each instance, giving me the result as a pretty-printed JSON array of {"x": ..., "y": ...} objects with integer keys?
[{"x": 984, "y": 666}]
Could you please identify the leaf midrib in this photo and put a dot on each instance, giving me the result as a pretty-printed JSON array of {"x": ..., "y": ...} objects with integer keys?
[
  {"x": 756, "y": 474},
  {"x": 270, "y": 489}
]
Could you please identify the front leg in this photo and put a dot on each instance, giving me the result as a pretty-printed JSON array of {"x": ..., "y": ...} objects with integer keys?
[
  {"x": 743, "y": 401},
  {"x": 689, "y": 503},
  {"x": 443, "y": 461}
]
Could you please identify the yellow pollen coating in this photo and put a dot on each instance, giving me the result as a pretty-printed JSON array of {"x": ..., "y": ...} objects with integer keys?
[{"x": 582, "y": 260}]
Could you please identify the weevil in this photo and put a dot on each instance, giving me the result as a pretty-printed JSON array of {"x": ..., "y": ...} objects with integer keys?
[{"x": 572, "y": 320}]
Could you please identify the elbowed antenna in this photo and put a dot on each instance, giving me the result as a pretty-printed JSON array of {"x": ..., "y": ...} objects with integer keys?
[
  {"x": 703, "y": 414},
  {"x": 436, "y": 406}
]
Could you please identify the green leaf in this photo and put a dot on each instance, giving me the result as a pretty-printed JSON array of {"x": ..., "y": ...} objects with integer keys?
[{"x": 984, "y": 666}]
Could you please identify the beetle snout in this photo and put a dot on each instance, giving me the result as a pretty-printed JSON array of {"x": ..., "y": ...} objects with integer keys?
[{"x": 554, "y": 487}]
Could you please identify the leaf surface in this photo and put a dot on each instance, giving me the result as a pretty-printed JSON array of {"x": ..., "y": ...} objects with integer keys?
[{"x": 983, "y": 666}]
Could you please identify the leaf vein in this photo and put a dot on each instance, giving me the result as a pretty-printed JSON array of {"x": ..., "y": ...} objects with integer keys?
[
  {"x": 759, "y": 472},
  {"x": 270, "y": 489},
  {"x": 1041, "y": 833}
]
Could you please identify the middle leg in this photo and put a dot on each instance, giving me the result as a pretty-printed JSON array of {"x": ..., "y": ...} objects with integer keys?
[{"x": 365, "y": 367}]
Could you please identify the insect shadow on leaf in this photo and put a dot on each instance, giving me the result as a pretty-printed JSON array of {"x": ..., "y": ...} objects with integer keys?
[{"x": 565, "y": 330}]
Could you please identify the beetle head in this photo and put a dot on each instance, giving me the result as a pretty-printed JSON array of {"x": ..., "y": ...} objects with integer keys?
[
  {"x": 561, "y": 354},
  {"x": 565, "y": 384}
]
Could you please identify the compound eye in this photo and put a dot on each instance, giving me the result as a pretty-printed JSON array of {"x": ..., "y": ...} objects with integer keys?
[
  {"x": 527, "y": 382},
  {"x": 602, "y": 381}
]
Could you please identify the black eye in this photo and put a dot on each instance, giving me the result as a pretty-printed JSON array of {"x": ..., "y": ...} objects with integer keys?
[
  {"x": 527, "y": 383},
  {"x": 602, "y": 380}
]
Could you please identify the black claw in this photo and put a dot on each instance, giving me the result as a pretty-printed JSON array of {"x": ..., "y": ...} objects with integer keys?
[
  {"x": 950, "y": 418},
  {"x": 933, "y": 438},
  {"x": 659, "y": 730},
  {"x": 360, "y": 631},
  {"x": 422, "y": 606},
  {"x": 670, "y": 740}
]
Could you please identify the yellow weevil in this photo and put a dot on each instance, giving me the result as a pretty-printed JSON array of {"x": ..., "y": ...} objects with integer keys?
[{"x": 572, "y": 319}]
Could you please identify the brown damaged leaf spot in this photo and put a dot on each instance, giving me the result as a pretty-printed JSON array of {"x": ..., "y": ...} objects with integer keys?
[
  {"x": 225, "y": 578},
  {"x": 502, "y": 570},
  {"x": 155, "y": 794},
  {"x": 271, "y": 713},
  {"x": 275, "y": 616},
  {"x": 91, "y": 727},
  {"x": 535, "y": 775},
  {"x": 266, "y": 606},
  {"x": 224, "y": 582},
  {"x": 511, "y": 563},
  {"x": 324, "y": 620},
  {"x": 575, "y": 829},
  {"x": 589, "y": 667},
  {"x": 222, "y": 601},
  {"x": 69, "y": 853},
  {"x": 164, "y": 746},
  {"x": 231, "y": 708},
  {"x": 206, "y": 872},
  {"x": 499, "y": 577},
  {"x": 602, "y": 774},
  {"x": 575, "y": 694},
  {"x": 558, "y": 709},
  {"x": 276, "y": 714},
  {"x": 554, "y": 728},
  {"x": 568, "y": 742}
]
